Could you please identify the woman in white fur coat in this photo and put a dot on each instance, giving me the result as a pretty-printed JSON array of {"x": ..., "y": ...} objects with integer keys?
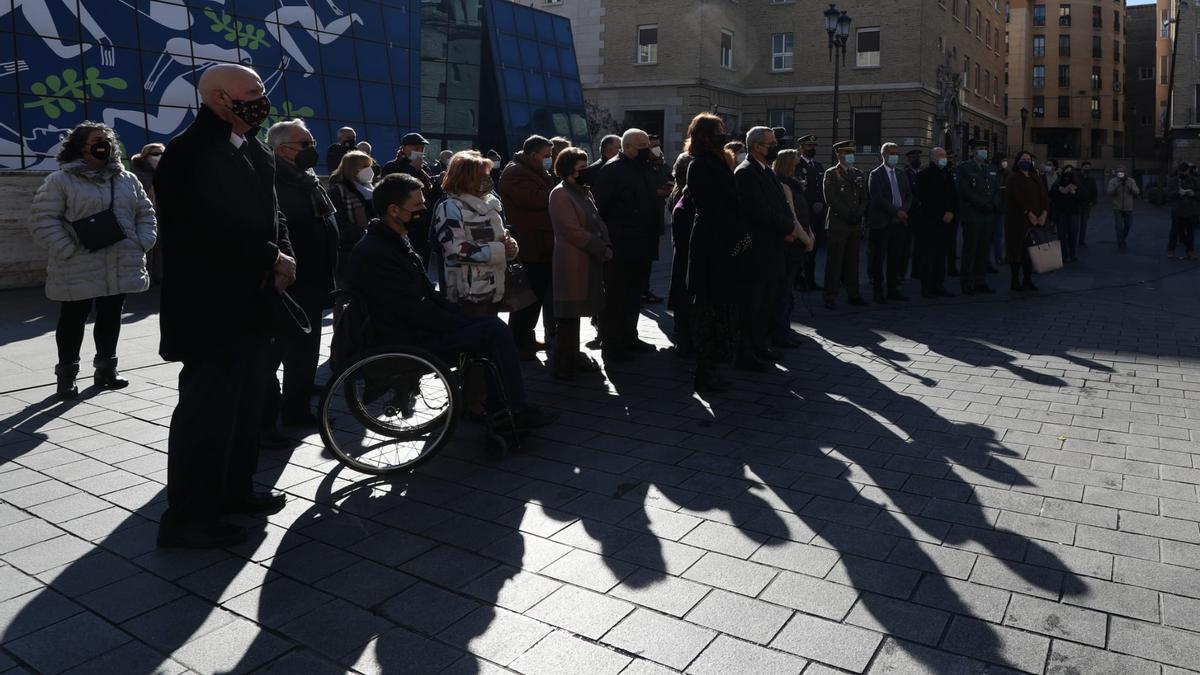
[{"x": 89, "y": 181}]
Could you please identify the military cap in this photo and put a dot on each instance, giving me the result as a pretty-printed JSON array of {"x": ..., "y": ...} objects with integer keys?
[
  {"x": 979, "y": 143},
  {"x": 413, "y": 139},
  {"x": 915, "y": 152},
  {"x": 653, "y": 137},
  {"x": 810, "y": 139},
  {"x": 844, "y": 146},
  {"x": 780, "y": 131}
]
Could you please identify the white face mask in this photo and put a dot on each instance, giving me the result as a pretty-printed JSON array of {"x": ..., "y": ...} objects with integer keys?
[
  {"x": 657, "y": 152},
  {"x": 741, "y": 157},
  {"x": 1004, "y": 164},
  {"x": 365, "y": 175},
  {"x": 153, "y": 161},
  {"x": 416, "y": 156},
  {"x": 1120, "y": 174}
]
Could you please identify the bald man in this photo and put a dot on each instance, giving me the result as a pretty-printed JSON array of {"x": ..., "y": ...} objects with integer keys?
[{"x": 226, "y": 260}]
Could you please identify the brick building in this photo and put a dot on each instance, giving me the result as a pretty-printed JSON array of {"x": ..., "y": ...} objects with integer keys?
[
  {"x": 1066, "y": 67},
  {"x": 920, "y": 73}
]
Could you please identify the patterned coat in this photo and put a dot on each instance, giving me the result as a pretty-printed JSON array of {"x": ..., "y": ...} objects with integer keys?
[{"x": 470, "y": 235}]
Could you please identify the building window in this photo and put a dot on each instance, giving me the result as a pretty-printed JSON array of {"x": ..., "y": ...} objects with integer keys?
[
  {"x": 955, "y": 8},
  {"x": 1097, "y": 17},
  {"x": 987, "y": 33},
  {"x": 967, "y": 15},
  {"x": 1039, "y": 77},
  {"x": 1064, "y": 15},
  {"x": 1097, "y": 50},
  {"x": 1116, "y": 81},
  {"x": 1006, "y": 75},
  {"x": 977, "y": 78},
  {"x": 1117, "y": 51},
  {"x": 1164, "y": 24},
  {"x": 1116, "y": 21},
  {"x": 1095, "y": 77},
  {"x": 966, "y": 78},
  {"x": 1116, "y": 111},
  {"x": 1064, "y": 76},
  {"x": 996, "y": 39},
  {"x": 782, "y": 118},
  {"x": 867, "y": 48},
  {"x": 727, "y": 49},
  {"x": 978, "y": 24},
  {"x": 1095, "y": 107},
  {"x": 782, "y": 47},
  {"x": 1064, "y": 106},
  {"x": 647, "y": 44},
  {"x": 1039, "y": 15},
  {"x": 1039, "y": 45},
  {"x": 1064, "y": 45},
  {"x": 1162, "y": 70},
  {"x": 1145, "y": 72},
  {"x": 1039, "y": 106},
  {"x": 995, "y": 88},
  {"x": 867, "y": 129}
]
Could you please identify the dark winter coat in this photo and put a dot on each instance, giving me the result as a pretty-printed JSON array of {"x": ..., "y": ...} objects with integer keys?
[
  {"x": 625, "y": 196},
  {"x": 221, "y": 233},
  {"x": 1023, "y": 194},
  {"x": 525, "y": 193},
  {"x": 717, "y": 232},
  {"x": 312, "y": 230}
]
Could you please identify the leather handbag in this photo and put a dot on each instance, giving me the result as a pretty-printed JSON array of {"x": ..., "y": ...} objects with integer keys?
[
  {"x": 1045, "y": 252},
  {"x": 101, "y": 229},
  {"x": 518, "y": 292}
]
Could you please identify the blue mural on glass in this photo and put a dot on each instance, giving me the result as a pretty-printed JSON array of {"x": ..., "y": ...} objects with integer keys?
[{"x": 134, "y": 64}]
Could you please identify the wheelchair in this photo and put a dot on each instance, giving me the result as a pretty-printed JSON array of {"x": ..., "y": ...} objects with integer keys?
[{"x": 386, "y": 410}]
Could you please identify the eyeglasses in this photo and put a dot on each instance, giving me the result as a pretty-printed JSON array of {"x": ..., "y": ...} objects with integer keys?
[{"x": 304, "y": 145}]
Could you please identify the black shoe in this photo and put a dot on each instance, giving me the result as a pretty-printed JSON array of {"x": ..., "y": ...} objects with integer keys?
[
  {"x": 968, "y": 291},
  {"x": 615, "y": 355},
  {"x": 928, "y": 295},
  {"x": 830, "y": 304},
  {"x": 642, "y": 347},
  {"x": 302, "y": 421},
  {"x": 1015, "y": 286},
  {"x": 527, "y": 353},
  {"x": 711, "y": 382},
  {"x": 65, "y": 374},
  {"x": 784, "y": 343},
  {"x": 106, "y": 376},
  {"x": 649, "y": 298},
  {"x": 879, "y": 298},
  {"x": 685, "y": 352},
  {"x": 985, "y": 289},
  {"x": 857, "y": 301},
  {"x": 257, "y": 502},
  {"x": 897, "y": 296},
  {"x": 814, "y": 286},
  {"x": 952, "y": 272},
  {"x": 750, "y": 364},
  {"x": 1028, "y": 285},
  {"x": 943, "y": 293},
  {"x": 532, "y": 417},
  {"x": 586, "y": 364},
  {"x": 215, "y": 535},
  {"x": 273, "y": 440},
  {"x": 991, "y": 269}
]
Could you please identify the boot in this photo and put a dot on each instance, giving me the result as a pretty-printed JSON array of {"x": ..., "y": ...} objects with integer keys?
[
  {"x": 106, "y": 376},
  {"x": 709, "y": 380},
  {"x": 66, "y": 372}
]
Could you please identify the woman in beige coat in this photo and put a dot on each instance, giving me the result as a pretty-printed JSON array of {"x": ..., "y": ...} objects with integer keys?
[
  {"x": 90, "y": 181},
  {"x": 581, "y": 247}
]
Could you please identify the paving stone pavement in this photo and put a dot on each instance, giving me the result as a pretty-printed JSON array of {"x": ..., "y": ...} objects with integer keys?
[{"x": 989, "y": 484}]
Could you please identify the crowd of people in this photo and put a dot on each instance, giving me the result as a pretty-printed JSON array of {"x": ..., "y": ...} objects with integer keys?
[{"x": 249, "y": 244}]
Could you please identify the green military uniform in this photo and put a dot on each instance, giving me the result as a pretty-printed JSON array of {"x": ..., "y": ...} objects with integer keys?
[
  {"x": 845, "y": 196},
  {"x": 978, "y": 202}
]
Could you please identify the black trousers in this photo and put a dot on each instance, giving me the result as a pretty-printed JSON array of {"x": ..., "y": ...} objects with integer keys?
[
  {"x": 523, "y": 322},
  {"x": 950, "y": 245},
  {"x": 679, "y": 300},
  {"x": 73, "y": 315},
  {"x": 299, "y": 355},
  {"x": 212, "y": 450},
  {"x": 930, "y": 253},
  {"x": 886, "y": 256},
  {"x": 809, "y": 267},
  {"x": 758, "y": 309},
  {"x": 623, "y": 304}
]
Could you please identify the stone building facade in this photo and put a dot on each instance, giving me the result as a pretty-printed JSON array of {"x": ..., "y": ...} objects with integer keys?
[
  {"x": 1066, "y": 66},
  {"x": 917, "y": 72}
]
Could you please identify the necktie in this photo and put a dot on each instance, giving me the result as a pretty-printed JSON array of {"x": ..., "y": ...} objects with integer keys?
[{"x": 896, "y": 201}]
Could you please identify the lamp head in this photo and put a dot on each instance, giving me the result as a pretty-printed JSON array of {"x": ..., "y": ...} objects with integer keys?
[
  {"x": 843, "y": 26},
  {"x": 831, "y": 17}
]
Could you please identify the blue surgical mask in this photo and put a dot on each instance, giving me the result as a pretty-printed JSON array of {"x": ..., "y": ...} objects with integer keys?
[
  {"x": 547, "y": 164},
  {"x": 1025, "y": 165},
  {"x": 848, "y": 160},
  {"x": 893, "y": 160},
  {"x": 981, "y": 155},
  {"x": 941, "y": 162}
]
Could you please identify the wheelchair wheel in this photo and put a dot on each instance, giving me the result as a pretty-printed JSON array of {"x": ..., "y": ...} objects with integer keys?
[{"x": 389, "y": 411}]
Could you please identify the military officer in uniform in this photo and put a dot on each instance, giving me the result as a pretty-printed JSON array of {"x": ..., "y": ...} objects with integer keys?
[
  {"x": 979, "y": 198},
  {"x": 811, "y": 175},
  {"x": 845, "y": 194}
]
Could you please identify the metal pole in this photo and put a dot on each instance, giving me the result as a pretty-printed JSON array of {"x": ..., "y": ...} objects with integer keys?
[
  {"x": 1168, "y": 147},
  {"x": 837, "y": 71}
]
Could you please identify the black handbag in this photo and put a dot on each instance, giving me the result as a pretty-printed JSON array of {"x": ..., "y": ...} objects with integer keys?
[{"x": 100, "y": 230}]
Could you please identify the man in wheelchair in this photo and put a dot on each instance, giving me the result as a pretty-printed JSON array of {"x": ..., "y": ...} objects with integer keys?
[{"x": 388, "y": 276}]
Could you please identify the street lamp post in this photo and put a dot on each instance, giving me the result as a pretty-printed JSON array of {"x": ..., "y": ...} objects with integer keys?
[
  {"x": 1169, "y": 149},
  {"x": 837, "y": 27},
  {"x": 1024, "y": 122}
]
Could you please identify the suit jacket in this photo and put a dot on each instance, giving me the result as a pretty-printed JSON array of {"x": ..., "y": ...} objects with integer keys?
[
  {"x": 625, "y": 197},
  {"x": 812, "y": 176},
  {"x": 221, "y": 231},
  {"x": 938, "y": 195},
  {"x": 882, "y": 210},
  {"x": 764, "y": 209},
  {"x": 588, "y": 175}
]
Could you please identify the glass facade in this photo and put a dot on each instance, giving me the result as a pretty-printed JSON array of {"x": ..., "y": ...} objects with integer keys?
[
  {"x": 384, "y": 67},
  {"x": 135, "y": 65}
]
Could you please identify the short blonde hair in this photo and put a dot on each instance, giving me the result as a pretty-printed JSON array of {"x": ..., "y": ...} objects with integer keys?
[
  {"x": 465, "y": 173},
  {"x": 785, "y": 162},
  {"x": 352, "y": 162}
]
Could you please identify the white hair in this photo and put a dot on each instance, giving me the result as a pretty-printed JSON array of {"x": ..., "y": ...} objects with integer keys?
[
  {"x": 757, "y": 135},
  {"x": 883, "y": 149},
  {"x": 629, "y": 135},
  {"x": 280, "y": 132}
]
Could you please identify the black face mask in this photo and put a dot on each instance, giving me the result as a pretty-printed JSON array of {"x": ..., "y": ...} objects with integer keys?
[
  {"x": 772, "y": 153},
  {"x": 721, "y": 140},
  {"x": 810, "y": 153},
  {"x": 252, "y": 112},
  {"x": 914, "y": 163},
  {"x": 101, "y": 151},
  {"x": 645, "y": 156},
  {"x": 306, "y": 158}
]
